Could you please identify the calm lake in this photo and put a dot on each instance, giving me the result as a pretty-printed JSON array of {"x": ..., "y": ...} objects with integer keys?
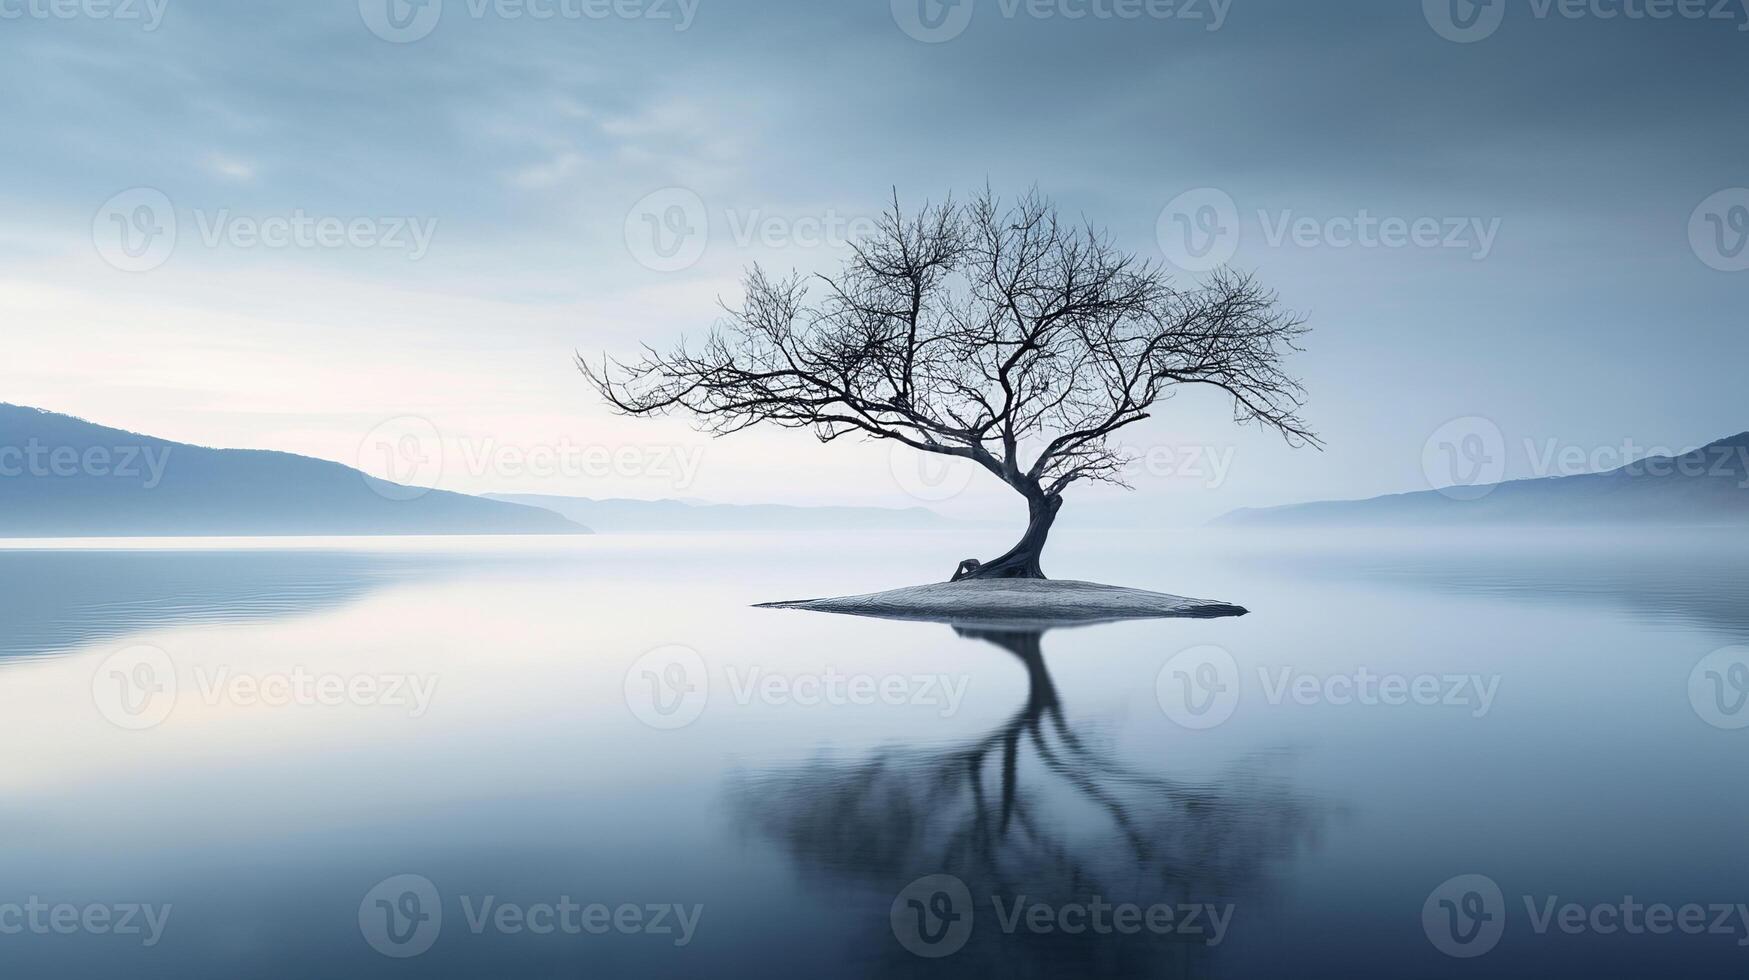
[{"x": 1476, "y": 755}]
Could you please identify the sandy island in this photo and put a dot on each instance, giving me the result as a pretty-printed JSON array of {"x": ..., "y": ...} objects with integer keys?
[{"x": 1016, "y": 603}]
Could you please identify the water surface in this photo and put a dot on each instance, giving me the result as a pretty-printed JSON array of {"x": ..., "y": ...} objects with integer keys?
[{"x": 543, "y": 723}]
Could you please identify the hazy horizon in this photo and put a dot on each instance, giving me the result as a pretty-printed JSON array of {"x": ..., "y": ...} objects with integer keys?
[{"x": 937, "y": 489}]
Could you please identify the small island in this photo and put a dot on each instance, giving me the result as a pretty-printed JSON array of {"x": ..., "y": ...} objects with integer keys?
[{"x": 1016, "y": 603}]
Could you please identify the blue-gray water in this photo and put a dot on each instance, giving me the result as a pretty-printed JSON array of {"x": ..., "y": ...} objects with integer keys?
[{"x": 541, "y": 724}]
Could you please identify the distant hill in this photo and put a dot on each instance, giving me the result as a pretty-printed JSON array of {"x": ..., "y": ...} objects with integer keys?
[
  {"x": 1706, "y": 487},
  {"x": 65, "y": 477},
  {"x": 657, "y": 516}
]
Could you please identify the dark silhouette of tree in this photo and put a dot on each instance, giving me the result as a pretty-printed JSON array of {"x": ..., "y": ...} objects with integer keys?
[
  {"x": 995, "y": 812},
  {"x": 990, "y": 332}
]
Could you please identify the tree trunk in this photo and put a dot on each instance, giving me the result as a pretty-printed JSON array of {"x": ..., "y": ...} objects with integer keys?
[{"x": 1022, "y": 560}]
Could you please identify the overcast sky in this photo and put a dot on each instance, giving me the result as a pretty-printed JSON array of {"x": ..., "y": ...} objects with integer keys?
[{"x": 1526, "y": 215}]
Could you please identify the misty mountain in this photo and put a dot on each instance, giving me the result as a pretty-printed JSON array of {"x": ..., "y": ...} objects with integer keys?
[
  {"x": 655, "y": 516},
  {"x": 1706, "y": 487},
  {"x": 62, "y": 476}
]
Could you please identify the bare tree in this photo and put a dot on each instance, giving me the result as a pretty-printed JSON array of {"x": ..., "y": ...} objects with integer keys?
[{"x": 990, "y": 332}]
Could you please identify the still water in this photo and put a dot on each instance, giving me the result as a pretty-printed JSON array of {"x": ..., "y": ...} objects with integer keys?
[{"x": 1513, "y": 756}]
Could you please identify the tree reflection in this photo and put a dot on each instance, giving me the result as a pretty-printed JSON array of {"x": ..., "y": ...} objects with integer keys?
[{"x": 1035, "y": 810}]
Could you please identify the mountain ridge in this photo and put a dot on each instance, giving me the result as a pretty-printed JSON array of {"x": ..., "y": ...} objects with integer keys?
[
  {"x": 65, "y": 476},
  {"x": 1707, "y": 486}
]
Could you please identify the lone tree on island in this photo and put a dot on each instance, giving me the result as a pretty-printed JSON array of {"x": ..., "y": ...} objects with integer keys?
[{"x": 968, "y": 330}]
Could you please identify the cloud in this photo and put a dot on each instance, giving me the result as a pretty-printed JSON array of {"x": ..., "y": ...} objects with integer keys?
[
  {"x": 231, "y": 168},
  {"x": 548, "y": 173}
]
